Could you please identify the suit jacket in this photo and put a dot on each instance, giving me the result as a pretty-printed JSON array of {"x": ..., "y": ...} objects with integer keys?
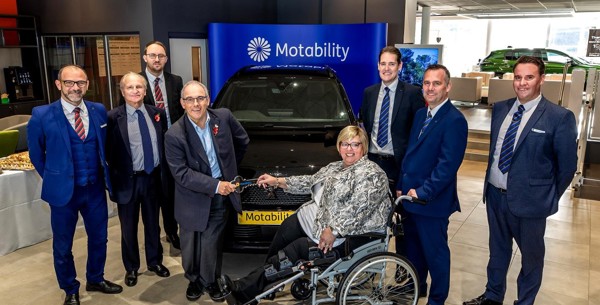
[
  {"x": 118, "y": 155},
  {"x": 432, "y": 161},
  {"x": 544, "y": 159},
  {"x": 50, "y": 149},
  {"x": 194, "y": 185},
  {"x": 407, "y": 101},
  {"x": 173, "y": 84}
]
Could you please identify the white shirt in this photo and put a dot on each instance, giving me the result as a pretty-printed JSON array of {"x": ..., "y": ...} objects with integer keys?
[
  {"x": 497, "y": 178},
  {"x": 70, "y": 114},
  {"x": 388, "y": 149}
]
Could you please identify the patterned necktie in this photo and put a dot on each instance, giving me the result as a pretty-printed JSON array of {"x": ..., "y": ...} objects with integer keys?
[
  {"x": 384, "y": 114},
  {"x": 146, "y": 143},
  {"x": 158, "y": 96},
  {"x": 79, "y": 124},
  {"x": 509, "y": 141},
  {"x": 426, "y": 123}
]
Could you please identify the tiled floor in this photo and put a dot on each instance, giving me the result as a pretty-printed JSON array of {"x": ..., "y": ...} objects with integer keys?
[{"x": 571, "y": 274}]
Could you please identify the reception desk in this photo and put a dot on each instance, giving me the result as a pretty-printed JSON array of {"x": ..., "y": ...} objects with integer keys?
[{"x": 24, "y": 217}]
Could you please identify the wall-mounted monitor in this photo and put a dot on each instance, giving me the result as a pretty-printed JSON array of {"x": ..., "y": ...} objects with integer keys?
[{"x": 416, "y": 58}]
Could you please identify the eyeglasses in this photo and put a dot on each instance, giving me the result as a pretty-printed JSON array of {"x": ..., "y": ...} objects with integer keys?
[
  {"x": 191, "y": 100},
  {"x": 347, "y": 145},
  {"x": 154, "y": 56},
  {"x": 71, "y": 83}
]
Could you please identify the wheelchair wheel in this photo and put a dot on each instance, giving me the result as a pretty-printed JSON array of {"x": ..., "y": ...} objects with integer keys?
[
  {"x": 384, "y": 285},
  {"x": 301, "y": 289}
]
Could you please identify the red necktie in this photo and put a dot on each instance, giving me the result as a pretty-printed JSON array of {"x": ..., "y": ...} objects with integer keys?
[
  {"x": 158, "y": 96},
  {"x": 79, "y": 124}
]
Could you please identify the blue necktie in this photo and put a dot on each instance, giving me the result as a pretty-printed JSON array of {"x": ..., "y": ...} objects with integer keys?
[
  {"x": 146, "y": 143},
  {"x": 426, "y": 123},
  {"x": 509, "y": 141},
  {"x": 382, "y": 133}
]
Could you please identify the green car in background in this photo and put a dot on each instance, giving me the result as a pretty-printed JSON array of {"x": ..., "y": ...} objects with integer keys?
[{"x": 502, "y": 61}]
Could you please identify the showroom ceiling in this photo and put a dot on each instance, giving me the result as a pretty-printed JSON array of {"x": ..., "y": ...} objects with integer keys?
[{"x": 499, "y": 8}]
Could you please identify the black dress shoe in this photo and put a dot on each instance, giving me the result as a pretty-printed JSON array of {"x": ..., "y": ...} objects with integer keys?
[
  {"x": 160, "y": 270},
  {"x": 481, "y": 300},
  {"x": 72, "y": 299},
  {"x": 174, "y": 240},
  {"x": 131, "y": 278},
  {"x": 220, "y": 289},
  {"x": 104, "y": 287},
  {"x": 194, "y": 291}
]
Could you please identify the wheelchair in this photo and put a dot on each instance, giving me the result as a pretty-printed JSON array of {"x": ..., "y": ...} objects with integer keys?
[{"x": 368, "y": 275}]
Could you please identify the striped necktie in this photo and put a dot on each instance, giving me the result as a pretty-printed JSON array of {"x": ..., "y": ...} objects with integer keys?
[
  {"x": 158, "y": 96},
  {"x": 509, "y": 141},
  {"x": 384, "y": 114},
  {"x": 79, "y": 124},
  {"x": 426, "y": 123}
]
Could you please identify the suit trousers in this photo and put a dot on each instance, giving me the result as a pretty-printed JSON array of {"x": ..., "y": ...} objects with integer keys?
[
  {"x": 144, "y": 197},
  {"x": 427, "y": 249},
  {"x": 90, "y": 201},
  {"x": 202, "y": 252},
  {"x": 529, "y": 235},
  {"x": 167, "y": 206}
]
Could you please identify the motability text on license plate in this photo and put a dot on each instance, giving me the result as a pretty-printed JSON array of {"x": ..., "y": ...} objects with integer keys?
[{"x": 263, "y": 217}]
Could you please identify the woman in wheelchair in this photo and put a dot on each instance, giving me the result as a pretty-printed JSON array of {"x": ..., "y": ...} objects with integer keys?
[{"x": 349, "y": 197}]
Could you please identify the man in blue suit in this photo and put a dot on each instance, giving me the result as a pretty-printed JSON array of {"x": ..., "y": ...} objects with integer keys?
[
  {"x": 436, "y": 148},
  {"x": 66, "y": 146},
  {"x": 533, "y": 156}
]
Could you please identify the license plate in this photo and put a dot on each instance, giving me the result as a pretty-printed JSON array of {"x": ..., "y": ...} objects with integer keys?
[{"x": 263, "y": 217}]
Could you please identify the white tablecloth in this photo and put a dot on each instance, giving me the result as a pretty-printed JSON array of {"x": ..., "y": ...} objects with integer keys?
[{"x": 24, "y": 217}]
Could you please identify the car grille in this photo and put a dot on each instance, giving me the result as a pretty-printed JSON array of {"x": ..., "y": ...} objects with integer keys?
[{"x": 257, "y": 196}]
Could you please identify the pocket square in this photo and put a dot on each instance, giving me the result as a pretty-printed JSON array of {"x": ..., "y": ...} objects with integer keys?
[
  {"x": 103, "y": 125},
  {"x": 537, "y": 130}
]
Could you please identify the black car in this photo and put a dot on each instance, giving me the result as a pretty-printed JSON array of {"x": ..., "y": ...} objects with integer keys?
[{"x": 293, "y": 115}]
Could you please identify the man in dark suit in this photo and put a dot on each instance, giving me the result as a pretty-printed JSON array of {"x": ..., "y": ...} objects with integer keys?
[
  {"x": 533, "y": 156},
  {"x": 66, "y": 146},
  {"x": 395, "y": 103},
  {"x": 436, "y": 147},
  {"x": 135, "y": 154},
  {"x": 203, "y": 150},
  {"x": 387, "y": 112},
  {"x": 164, "y": 91}
]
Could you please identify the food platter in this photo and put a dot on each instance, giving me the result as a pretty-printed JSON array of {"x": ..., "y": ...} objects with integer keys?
[{"x": 18, "y": 161}]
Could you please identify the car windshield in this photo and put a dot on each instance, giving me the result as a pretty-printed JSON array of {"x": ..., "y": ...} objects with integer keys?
[{"x": 285, "y": 101}]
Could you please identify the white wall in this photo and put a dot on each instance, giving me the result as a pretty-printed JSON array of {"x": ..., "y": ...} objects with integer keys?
[
  {"x": 180, "y": 57},
  {"x": 8, "y": 57}
]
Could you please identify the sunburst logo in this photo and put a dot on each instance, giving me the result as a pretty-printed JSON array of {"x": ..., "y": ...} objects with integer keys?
[{"x": 259, "y": 49}]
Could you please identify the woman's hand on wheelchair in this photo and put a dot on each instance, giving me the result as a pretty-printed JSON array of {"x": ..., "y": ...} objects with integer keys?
[{"x": 326, "y": 240}]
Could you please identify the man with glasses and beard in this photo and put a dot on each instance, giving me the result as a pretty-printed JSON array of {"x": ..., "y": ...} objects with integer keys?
[{"x": 66, "y": 146}]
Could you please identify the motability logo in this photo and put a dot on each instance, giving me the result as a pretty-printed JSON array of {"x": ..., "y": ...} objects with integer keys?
[{"x": 259, "y": 49}]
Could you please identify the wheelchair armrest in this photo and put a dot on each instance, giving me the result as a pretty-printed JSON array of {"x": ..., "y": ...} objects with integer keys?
[{"x": 375, "y": 234}]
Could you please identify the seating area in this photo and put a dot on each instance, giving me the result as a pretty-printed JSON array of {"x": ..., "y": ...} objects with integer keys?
[{"x": 17, "y": 122}]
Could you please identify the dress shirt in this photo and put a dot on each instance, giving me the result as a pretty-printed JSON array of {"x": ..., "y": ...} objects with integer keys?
[
  {"x": 68, "y": 110},
  {"x": 163, "y": 89},
  {"x": 388, "y": 149},
  {"x": 436, "y": 109},
  {"x": 135, "y": 137},
  {"x": 497, "y": 178},
  {"x": 207, "y": 142}
]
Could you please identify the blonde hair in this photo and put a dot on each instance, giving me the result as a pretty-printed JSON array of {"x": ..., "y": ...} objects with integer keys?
[
  {"x": 350, "y": 132},
  {"x": 133, "y": 75}
]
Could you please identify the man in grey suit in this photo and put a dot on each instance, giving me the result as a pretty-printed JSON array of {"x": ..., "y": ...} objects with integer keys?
[
  {"x": 203, "y": 150},
  {"x": 533, "y": 156}
]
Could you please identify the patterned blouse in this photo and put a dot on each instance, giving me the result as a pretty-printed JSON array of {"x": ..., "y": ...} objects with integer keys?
[{"x": 354, "y": 200}]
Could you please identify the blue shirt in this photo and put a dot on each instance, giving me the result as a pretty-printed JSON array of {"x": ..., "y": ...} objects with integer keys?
[{"x": 207, "y": 142}]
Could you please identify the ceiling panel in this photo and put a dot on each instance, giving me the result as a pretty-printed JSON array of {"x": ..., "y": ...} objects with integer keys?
[{"x": 452, "y": 7}]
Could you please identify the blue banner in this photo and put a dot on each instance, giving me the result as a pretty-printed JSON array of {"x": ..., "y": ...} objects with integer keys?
[{"x": 352, "y": 50}]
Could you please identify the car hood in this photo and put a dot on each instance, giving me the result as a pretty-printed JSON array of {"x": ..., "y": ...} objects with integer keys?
[{"x": 286, "y": 153}]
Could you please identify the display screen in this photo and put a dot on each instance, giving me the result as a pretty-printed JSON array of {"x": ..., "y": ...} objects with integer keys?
[{"x": 415, "y": 59}]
